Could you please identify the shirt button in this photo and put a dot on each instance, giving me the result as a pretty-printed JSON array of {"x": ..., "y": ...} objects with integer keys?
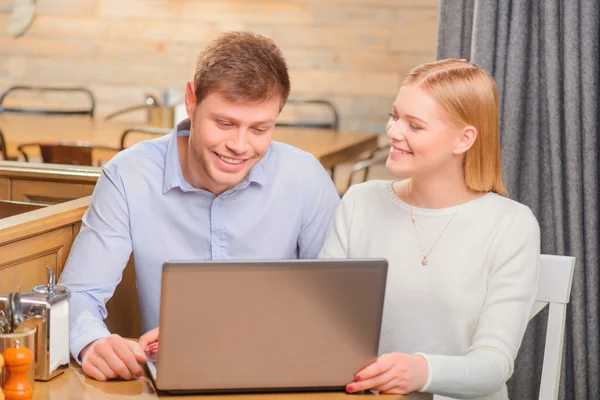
[{"x": 216, "y": 241}]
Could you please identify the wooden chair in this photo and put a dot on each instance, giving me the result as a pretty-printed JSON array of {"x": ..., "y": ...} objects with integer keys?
[
  {"x": 310, "y": 114},
  {"x": 43, "y": 89},
  {"x": 70, "y": 153},
  {"x": 329, "y": 118},
  {"x": 151, "y": 102},
  {"x": 553, "y": 291},
  {"x": 3, "y": 152},
  {"x": 144, "y": 130},
  {"x": 376, "y": 156}
]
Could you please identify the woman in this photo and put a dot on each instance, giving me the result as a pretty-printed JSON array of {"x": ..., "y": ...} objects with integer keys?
[{"x": 463, "y": 258}]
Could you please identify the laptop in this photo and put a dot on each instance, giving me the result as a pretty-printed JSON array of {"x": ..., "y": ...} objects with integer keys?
[{"x": 262, "y": 326}]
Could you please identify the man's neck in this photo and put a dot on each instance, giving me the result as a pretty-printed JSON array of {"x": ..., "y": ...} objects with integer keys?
[{"x": 193, "y": 172}]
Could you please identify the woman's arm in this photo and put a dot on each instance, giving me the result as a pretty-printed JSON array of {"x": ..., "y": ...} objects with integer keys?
[
  {"x": 336, "y": 244},
  {"x": 488, "y": 364},
  {"x": 512, "y": 285}
]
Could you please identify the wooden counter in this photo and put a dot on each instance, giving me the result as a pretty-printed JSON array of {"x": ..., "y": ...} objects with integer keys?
[
  {"x": 46, "y": 183},
  {"x": 74, "y": 385}
]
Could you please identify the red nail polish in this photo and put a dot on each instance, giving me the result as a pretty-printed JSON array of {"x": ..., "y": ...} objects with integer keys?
[
  {"x": 349, "y": 388},
  {"x": 356, "y": 378}
]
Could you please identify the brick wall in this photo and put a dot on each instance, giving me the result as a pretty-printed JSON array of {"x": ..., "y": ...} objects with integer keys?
[{"x": 351, "y": 52}]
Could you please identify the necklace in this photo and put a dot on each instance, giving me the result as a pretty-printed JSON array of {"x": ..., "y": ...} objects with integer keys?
[{"x": 424, "y": 261}]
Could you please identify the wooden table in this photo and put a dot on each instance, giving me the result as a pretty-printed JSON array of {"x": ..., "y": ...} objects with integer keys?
[
  {"x": 329, "y": 147},
  {"x": 73, "y": 384}
]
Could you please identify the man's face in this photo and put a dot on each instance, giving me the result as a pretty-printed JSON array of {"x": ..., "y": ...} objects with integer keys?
[{"x": 227, "y": 138}]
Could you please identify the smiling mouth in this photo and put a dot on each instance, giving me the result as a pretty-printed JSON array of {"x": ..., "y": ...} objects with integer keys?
[
  {"x": 229, "y": 160},
  {"x": 398, "y": 151}
]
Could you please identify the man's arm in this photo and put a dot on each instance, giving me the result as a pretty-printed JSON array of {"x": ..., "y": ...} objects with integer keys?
[
  {"x": 321, "y": 201},
  {"x": 95, "y": 267}
]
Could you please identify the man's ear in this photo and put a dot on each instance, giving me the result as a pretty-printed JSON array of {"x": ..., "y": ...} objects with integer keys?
[
  {"x": 465, "y": 141},
  {"x": 190, "y": 100}
]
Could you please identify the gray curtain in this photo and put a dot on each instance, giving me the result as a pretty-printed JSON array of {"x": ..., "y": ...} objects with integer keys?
[{"x": 545, "y": 56}]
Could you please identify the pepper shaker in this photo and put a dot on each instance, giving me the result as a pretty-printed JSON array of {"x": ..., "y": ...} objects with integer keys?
[
  {"x": 18, "y": 359},
  {"x": 1, "y": 365}
]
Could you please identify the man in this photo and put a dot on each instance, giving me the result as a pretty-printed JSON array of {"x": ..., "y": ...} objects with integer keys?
[{"x": 216, "y": 188}]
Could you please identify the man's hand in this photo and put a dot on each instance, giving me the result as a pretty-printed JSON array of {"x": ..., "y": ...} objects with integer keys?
[
  {"x": 395, "y": 373},
  {"x": 149, "y": 341},
  {"x": 113, "y": 357}
]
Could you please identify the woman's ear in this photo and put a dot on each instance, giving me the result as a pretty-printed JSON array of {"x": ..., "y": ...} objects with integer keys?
[{"x": 465, "y": 141}]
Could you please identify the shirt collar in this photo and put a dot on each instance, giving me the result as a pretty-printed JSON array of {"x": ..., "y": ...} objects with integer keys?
[{"x": 173, "y": 176}]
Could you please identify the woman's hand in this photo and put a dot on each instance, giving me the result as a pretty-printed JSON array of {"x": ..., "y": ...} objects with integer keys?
[
  {"x": 149, "y": 341},
  {"x": 395, "y": 373}
]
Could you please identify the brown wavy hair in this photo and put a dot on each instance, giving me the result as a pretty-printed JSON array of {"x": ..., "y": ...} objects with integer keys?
[{"x": 244, "y": 66}]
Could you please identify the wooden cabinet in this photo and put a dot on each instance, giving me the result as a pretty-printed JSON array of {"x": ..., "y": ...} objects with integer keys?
[
  {"x": 32, "y": 241},
  {"x": 46, "y": 183},
  {"x": 35, "y": 191},
  {"x": 24, "y": 263}
]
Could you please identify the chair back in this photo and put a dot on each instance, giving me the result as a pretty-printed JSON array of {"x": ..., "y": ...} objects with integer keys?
[
  {"x": 377, "y": 156},
  {"x": 554, "y": 291},
  {"x": 3, "y": 152},
  {"x": 314, "y": 113},
  {"x": 69, "y": 153},
  {"x": 66, "y": 154},
  {"x": 151, "y": 103},
  {"x": 145, "y": 131},
  {"x": 43, "y": 90}
]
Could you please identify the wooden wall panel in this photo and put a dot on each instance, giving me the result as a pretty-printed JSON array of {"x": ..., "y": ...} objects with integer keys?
[{"x": 345, "y": 51}]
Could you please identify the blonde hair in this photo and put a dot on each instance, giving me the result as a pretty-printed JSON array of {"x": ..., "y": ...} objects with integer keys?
[{"x": 470, "y": 97}]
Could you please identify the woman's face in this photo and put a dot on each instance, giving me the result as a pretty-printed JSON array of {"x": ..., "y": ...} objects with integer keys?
[{"x": 423, "y": 137}]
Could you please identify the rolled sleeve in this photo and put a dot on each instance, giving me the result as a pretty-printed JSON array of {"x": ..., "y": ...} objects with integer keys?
[{"x": 85, "y": 329}]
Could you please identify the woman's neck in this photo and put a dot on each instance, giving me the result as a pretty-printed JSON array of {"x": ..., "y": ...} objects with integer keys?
[{"x": 435, "y": 191}]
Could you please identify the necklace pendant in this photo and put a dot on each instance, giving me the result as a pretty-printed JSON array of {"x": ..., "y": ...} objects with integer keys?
[{"x": 424, "y": 261}]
